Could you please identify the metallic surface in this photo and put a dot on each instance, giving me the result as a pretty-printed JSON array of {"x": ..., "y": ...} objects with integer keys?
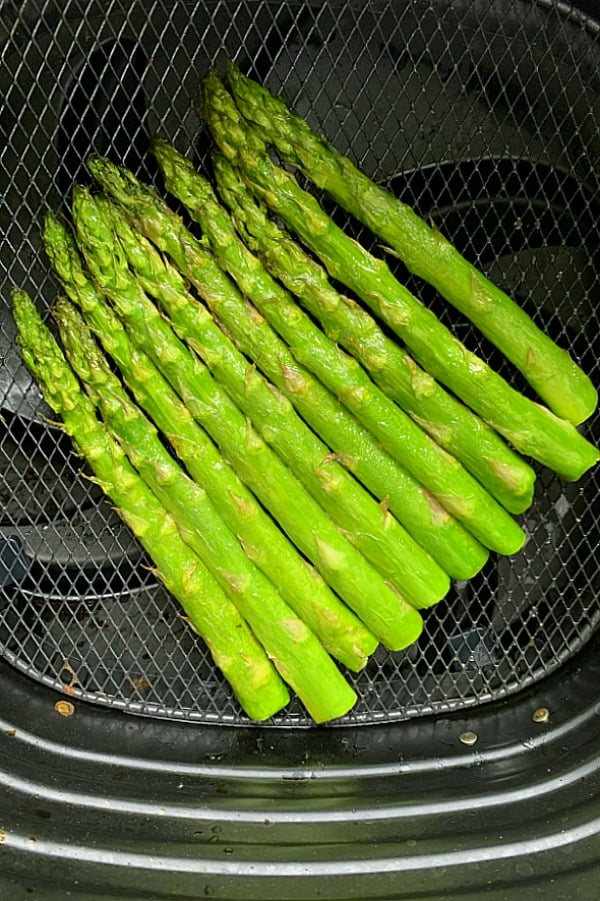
[{"x": 143, "y": 809}]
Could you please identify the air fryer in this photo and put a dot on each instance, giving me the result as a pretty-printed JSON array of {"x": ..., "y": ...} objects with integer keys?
[{"x": 469, "y": 765}]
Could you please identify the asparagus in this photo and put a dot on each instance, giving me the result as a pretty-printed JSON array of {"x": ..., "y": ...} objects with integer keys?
[
  {"x": 549, "y": 369},
  {"x": 340, "y": 631},
  {"x": 441, "y": 474},
  {"x": 456, "y": 550},
  {"x": 297, "y": 654},
  {"x": 532, "y": 429},
  {"x": 234, "y": 649},
  {"x": 383, "y": 610},
  {"x": 480, "y": 449},
  {"x": 371, "y": 529}
]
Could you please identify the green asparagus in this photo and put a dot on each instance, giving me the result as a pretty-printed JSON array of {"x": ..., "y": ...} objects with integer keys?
[
  {"x": 235, "y": 650},
  {"x": 166, "y": 230},
  {"x": 550, "y": 370},
  {"x": 383, "y": 610},
  {"x": 456, "y": 551},
  {"x": 383, "y": 541},
  {"x": 370, "y": 528},
  {"x": 531, "y": 428},
  {"x": 480, "y": 449},
  {"x": 340, "y": 631},
  {"x": 298, "y": 656}
]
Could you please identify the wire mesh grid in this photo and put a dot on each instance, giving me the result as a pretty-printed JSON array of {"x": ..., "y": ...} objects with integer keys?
[{"x": 486, "y": 118}]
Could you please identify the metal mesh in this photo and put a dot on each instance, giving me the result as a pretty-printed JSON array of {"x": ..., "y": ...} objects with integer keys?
[{"x": 485, "y": 116}]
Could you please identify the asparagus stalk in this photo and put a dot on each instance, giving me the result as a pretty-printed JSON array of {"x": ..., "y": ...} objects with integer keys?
[
  {"x": 549, "y": 369},
  {"x": 297, "y": 654},
  {"x": 384, "y": 611},
  {"x": 234, "y": 649},
  {"x": 455, "y": 427},
  {"x": 454, "y": 549},
  {"x": 304, "y": 589},
  {"x": 532, "y": 429}
]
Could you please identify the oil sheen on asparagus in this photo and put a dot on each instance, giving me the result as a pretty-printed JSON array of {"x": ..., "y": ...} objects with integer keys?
[{"x": 304, "y": 470}]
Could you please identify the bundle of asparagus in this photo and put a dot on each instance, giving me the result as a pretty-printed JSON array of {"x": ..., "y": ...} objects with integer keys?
[
  {"x": 530, "y": 428},
  {"x": 302, "y": 483},
  {"x": 548, "y": 368},
  {"x": 233, "y": 646}
]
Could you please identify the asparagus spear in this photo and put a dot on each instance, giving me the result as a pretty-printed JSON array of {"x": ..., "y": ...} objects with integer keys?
[
  {"x": 340, "y": 631},
  {"x": 531, "y": 428},
  {"x": 297, "y": 654},
  {"x": 480, "y": 449},
  {"x": 550, "y": 370},
  {"x": 456, "y": 551},
  {"x": 234, "y": 649},
  {"x": 383, "y": 610}
]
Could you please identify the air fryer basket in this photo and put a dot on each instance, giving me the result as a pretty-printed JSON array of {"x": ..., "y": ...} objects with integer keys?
[{"x": 484, "y": 116}]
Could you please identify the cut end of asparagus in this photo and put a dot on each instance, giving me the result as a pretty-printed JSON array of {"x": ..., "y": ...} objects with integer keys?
[{"x": 412, "y": 628}]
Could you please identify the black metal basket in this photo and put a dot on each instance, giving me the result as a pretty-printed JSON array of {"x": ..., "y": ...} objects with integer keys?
[{"x": 485, "y": 117}]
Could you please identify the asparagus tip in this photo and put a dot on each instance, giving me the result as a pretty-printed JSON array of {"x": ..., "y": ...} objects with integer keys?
[{"x": 110, "y": 176}]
